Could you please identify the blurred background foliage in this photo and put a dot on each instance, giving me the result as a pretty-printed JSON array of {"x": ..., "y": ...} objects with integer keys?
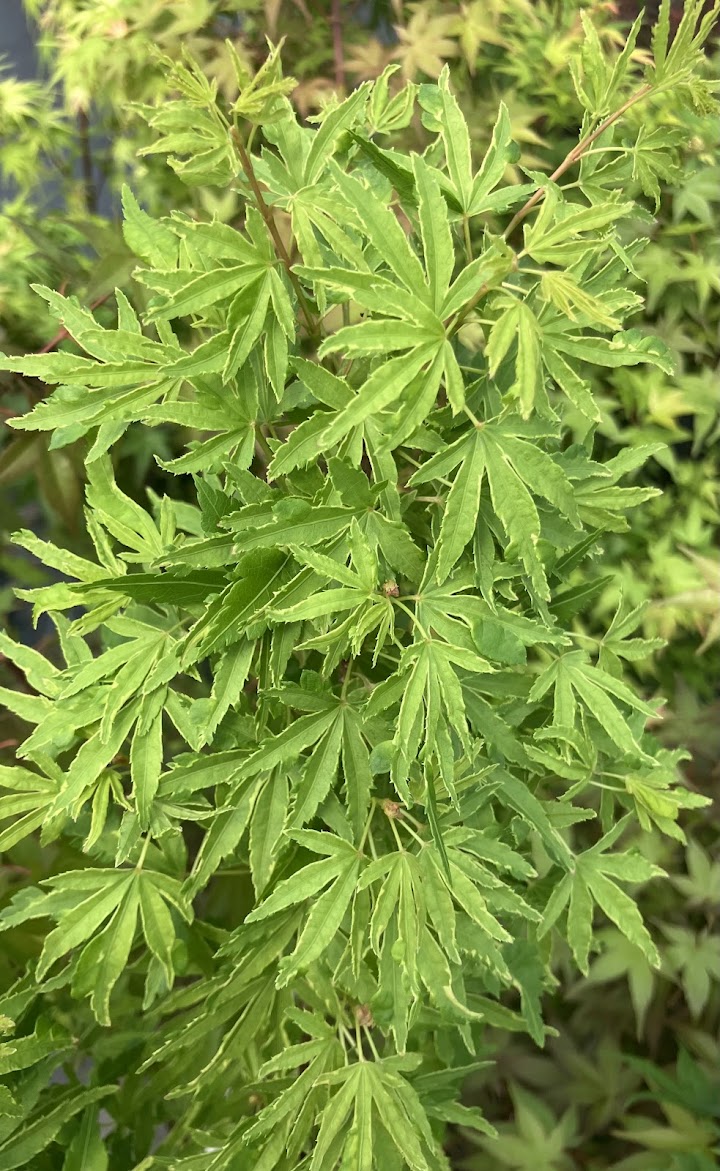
[{"x": 632, "y": 1081}]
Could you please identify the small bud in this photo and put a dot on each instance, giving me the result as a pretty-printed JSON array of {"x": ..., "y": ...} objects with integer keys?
[
  {"x": 391, "y": 809},
  {"x": 390, "y": 589}
]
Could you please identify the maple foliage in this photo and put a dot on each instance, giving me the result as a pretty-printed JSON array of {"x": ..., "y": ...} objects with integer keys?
[{"x": 345, "y": 676}]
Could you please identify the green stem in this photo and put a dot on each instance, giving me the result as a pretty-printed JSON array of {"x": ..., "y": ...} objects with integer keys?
[
  {"x": 473, "y": 418},
  {"x": 468, "y": 241},
  {"x": 275, "y": 236},
  {"x": 344, "y": 1033},
  {"x": 346, "y": 680},
  {"x": 415, "y": 621},
  {"x": 411, "y": 831},
  {"x": 366, "y": 829},
  {"x": 263, "y": 444},
  {"x": 398, "y": 839},
  {"x": 141, "y": 860},
  {"x": 371, "y": 1043},
  {"x": 358, "y": 1041}
]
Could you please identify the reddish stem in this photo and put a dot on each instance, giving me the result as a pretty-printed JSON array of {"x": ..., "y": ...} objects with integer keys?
[
  {"x": 338, "y": 48},
  {"x": 576, "y": 153},
  {"x": 65, "y": 333}
]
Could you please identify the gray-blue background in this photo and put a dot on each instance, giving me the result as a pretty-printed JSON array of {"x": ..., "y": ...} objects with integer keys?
[{"x": 16, "y": 45}]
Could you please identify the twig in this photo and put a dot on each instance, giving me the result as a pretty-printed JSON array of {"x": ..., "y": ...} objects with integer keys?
[
  {"x": 338, "y": 48},
  {"x": 86, "y": 162},
  {"x": 575, "y": 154},
  {"x": 271, "y": 226},
  {"x": 36, "y": 395},
  {"x": 65, "y": 333},
  {"x": 263, "y": 451},
  {"x": 474, "y": 300}
]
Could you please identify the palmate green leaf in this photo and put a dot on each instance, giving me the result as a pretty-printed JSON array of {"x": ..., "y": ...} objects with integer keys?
[
  {"x": 501, "y": 152},
  {"x": 300, "y": 524},
  {"x": 659, "y": 801},
  {"x": 176, "y": 589},
  {"x": 287, "y": 744},
  {"x": 246, "y": 318},
  {"x": 534, "y": 344},
  {"x": 420, "y": 394},
  {"x": 240, "y": 605},
  {"x": 223, "y": 837},
  {"x": 563, "y": 291},
  {"x": 426, "y": 685},
  {"x": 146, "y": 755},
  {"x": 231, "y": 675},
  {"x": 372, "y": 337},
  {"x": 90, "y": 761},
  {"x": 151, "y": 240},
  {"x": 384, "y": 232},
  {"x": 519, "y": 796},
  {"x": 456, "y": 140},
  {"x": 358, "y": 605},
  {"x": 318, "y": 775},
  {"x": 325, "y": 1055},
  {"x": 383, "y": 388},
  {"x": 561, "y": 239},
  {"x": 36, "y": 1132},
  {"x": 518, "y": 324},
  {"x": 438, "y": 248},
  {"x": 463, "y": 504},
  {"x": 119, "y": 514},
  {"x": 26, "y": 798},
  {"x": 104, "y": 959},
  {"x": 158, "y": 927},
  {"x": 594, "y": 882},
  {"x": 187, "y": 292},
  {"x": 572, "y": 676},
  {"x": 270, "y": 814},
  {"x": 323, "y": 922},
  {"x": 371, "y": 1097},
  {"x": 82, "y": 902},
  {"x": 332, "y": 126},
  {"x": 480, "y": 276},
  {"x": 511, "y": 465},
  {"x": 336, "y": 876},
  {"x": 627, "y": 348}
]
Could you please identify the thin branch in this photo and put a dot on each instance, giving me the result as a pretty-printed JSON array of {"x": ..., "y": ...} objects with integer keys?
[
  {"x": 338, "y": 48},
  {"x": 267, "y": 215},
  {"x": 573, "y": 157},
  {"x": 62, "y": 334},
  {"x": 575, "y": 154},
  {"x": 474, "y": 300},
  {"x": 86, "y": 163},
  {"x": 35, "y": 396},
  {"x": 467, "y": 240}
]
